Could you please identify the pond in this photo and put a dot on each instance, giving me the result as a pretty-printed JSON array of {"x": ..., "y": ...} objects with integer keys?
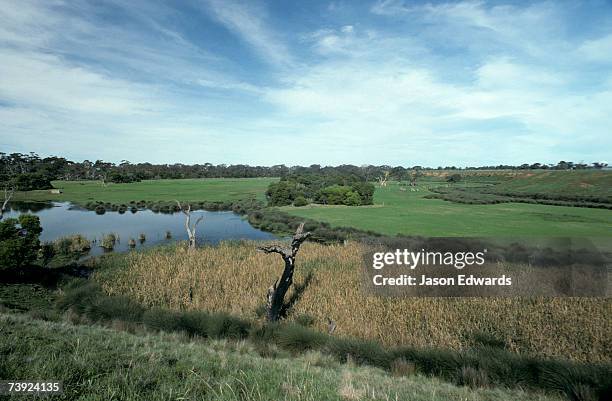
[{"x": 60, "y": 219}]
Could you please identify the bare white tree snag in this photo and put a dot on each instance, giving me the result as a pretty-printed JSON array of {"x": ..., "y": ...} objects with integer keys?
[
  {"x": 276, "y": 293},
  {"x": 382, "y": 180},
  {"x": 8, "y": 194},
  {"x": 191, "y": 229}
]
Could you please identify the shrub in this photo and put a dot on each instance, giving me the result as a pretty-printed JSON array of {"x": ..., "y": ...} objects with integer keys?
[
  {"x": 46, "y": 253},
  {"x": 298, "y": 338},
  {"x": 472, "y": 377},
  {"x": 454, "y": 178},
  {"x": 73, "y": 245},
  {"x": 108, "y": 241},
  {"x": 305, "y": 320},
  {"x": 360, "y": 351},
  {"x": 300, "y": 201},
  {"x": 19, "y": 241}
]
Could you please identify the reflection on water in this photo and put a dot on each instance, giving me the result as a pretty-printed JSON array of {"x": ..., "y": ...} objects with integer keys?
[{"x": 60, "y": 219}]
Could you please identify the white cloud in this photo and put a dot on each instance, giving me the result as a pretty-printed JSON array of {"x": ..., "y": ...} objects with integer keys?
[
  {"x": 249, "y": 23},
  {"x": 462, "y": 83},
  {"x": 48, "y": 82},
  {"x": 598, "y": 50}
]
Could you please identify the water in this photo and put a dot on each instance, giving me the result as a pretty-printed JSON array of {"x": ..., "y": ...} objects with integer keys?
[{"x": 59, "y": 219}]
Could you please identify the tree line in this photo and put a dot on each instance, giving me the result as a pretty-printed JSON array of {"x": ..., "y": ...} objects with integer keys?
[{"x": 30, "y": 171}]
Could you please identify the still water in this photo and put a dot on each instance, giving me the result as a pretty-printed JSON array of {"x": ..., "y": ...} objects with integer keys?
[{"x": 59, "y": 219}]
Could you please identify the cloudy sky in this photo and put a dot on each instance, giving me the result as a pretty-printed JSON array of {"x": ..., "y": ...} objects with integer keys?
[{"x": 301, "y": 82}]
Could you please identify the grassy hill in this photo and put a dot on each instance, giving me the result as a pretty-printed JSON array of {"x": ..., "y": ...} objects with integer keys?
[
  {"x": 98, "y": 363},
  {"x": 578, "y": 183}
]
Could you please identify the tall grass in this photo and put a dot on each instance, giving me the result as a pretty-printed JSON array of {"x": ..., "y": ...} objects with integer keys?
[{"x": 233, "y": 278}]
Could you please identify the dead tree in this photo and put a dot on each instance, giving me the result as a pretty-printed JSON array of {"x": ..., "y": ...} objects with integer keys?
[
  {"x": 8, "y": 194},
  {"x": 276, "y": 293},
  {"x": 382, "y": 180},
  {"x": 191, "y": 229}
]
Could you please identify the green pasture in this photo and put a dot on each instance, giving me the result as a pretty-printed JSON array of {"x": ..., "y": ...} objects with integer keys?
[
  {"x": 206, "y": 189},
  {"x": 410, "y": 213}
]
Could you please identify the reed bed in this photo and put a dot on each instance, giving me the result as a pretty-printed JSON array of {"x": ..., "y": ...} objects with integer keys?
[{"x": 233, "y": 277}]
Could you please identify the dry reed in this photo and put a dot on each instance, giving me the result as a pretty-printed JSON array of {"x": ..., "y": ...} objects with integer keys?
[{"x": 233, "y": 277}]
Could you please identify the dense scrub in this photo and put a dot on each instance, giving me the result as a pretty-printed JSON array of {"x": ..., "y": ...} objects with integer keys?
[
  {"x": 233, "y": 278},
  {"x": 324, "y": 187}
]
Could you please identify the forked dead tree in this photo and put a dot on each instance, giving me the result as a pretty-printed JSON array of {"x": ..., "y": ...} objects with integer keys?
[
  {"x": 8, "y": 194},
  {"x": 276, "y": 293},
  {"x": 382, "y": 180},
  {"x": 191, "y": 229}
]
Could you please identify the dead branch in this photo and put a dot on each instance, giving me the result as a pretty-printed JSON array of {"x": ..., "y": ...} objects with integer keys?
[
  {"x": 276, "y": 293},
  {"x": 8, "y": 194}
]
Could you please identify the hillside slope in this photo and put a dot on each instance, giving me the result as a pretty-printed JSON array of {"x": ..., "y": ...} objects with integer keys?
[{"x": 102, "y": 364}]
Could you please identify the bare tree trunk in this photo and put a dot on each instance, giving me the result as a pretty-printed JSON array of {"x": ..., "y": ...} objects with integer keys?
[
  {"x": 382, "y": 181},
  {"x": 8, "y": 194},
  {"x": 276, "y": 293},
  {"x": 191, "y": 229}
]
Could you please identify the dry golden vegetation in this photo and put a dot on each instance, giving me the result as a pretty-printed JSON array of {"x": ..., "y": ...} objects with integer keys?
[{"x": 234, "y": 277}]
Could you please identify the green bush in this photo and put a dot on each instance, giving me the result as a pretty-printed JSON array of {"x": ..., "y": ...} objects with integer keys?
[
  {"x": 19, "y": 241},
  {"x": 300, "y": 201}
]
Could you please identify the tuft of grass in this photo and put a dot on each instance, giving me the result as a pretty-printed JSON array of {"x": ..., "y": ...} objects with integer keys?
[{"x": 472, "y": 377}]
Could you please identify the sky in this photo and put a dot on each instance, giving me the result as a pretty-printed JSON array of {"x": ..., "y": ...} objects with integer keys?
[{"x": 395, "y": 82}]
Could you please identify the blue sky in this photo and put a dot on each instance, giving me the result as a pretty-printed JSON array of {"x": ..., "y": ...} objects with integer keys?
[{"x": 328, "y": 82}]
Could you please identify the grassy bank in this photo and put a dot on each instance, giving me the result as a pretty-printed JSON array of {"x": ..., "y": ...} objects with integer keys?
[
  {"x": 233, "y": 278},
  {"x": 577, "y": 183},
  {"x": 105, "y": 365},
  {"x": 213, "y": 189},
  {"x": 411, "y": 213}
]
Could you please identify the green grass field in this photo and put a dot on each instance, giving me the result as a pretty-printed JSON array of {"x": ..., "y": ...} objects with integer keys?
[
  {"x": 98, "y": 363},
  {"x": 410, "y": 213},
  {"x": 212, "y": 189},
  {"x": 395, "y": 211}
]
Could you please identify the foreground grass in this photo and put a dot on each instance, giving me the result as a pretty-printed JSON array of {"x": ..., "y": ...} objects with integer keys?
[
  {"x": 101, "y": 364},
  {"x": 213, "y": 189},
  {"x": 234, "y": 278},
  {"x": 410, "y": 213}
]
